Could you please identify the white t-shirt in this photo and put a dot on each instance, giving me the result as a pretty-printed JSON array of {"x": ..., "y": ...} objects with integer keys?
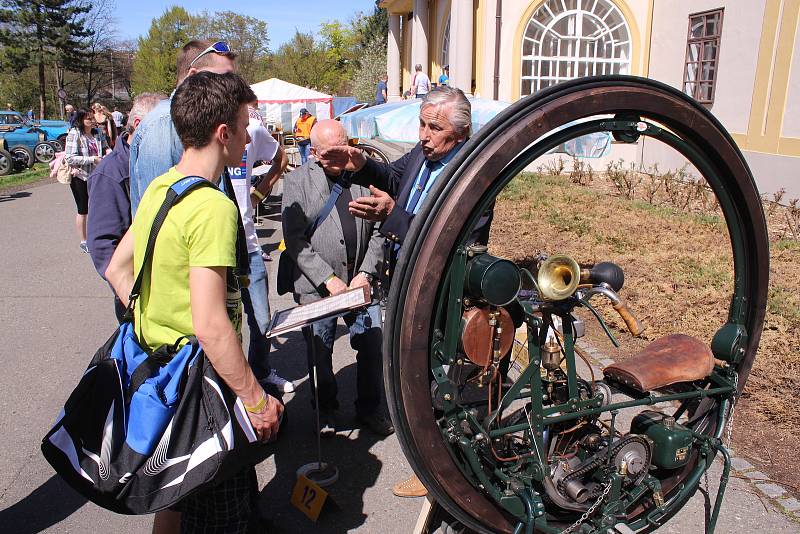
[
  {"x": 117, "y": 116},
  {"x": 262, "y": 146},
  {"x": 423, "y": 84}
]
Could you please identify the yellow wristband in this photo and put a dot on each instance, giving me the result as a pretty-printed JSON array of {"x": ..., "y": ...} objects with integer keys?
[
  {"x": 258, "y": 193},
  {"x": 258, "y": 408}
]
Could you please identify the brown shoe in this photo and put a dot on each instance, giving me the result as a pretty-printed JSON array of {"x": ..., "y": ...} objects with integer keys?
[{"x": 411, "y": 487}]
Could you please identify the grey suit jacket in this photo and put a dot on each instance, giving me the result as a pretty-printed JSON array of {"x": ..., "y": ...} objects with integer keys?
[{"x": 305, "y": 191}]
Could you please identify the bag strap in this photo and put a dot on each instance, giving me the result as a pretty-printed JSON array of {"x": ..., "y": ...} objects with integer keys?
[
  {"x": 341, "y": 183},
  {"x": 149, "y": 367}
]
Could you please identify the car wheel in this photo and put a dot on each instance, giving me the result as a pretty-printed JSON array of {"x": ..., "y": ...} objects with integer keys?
[
  {"x": 58, "y": 146},
  {"x": 6, "y": 163},
  {"x": 21, "y": 151},
  {"x": 44, "y": 152}
]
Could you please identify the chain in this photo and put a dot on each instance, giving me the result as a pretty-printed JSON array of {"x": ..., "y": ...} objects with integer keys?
[
  {"x": 588, "y": 512},
  {"x": 730, "y": 412}
]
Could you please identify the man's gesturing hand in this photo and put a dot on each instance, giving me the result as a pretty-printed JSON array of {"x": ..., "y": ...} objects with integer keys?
[
  {"x": 346, "y": 158},
  {"x": 374, "y": 208},
  {"x": 335, "y": 286},
  {"x": 267, "y": 421}
]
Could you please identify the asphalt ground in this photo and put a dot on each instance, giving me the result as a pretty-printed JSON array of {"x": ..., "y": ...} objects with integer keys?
[{"x": 54, "y": 313}]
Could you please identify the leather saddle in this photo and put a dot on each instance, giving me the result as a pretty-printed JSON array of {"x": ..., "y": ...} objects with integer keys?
[{"x": 666, "y": 361}]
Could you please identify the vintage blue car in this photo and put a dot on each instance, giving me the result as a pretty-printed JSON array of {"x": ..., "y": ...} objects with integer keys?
[{"x": 37, "y": 140}]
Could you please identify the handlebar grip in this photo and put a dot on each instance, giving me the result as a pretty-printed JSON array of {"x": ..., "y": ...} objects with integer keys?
[{"x": 634, "y": 325}]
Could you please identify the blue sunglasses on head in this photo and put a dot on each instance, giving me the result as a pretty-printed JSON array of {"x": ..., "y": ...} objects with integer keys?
[{"x": 220, "y": 47}]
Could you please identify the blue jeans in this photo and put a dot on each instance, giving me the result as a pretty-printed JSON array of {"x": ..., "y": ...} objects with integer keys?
[
  {"x": 256, "y": 306},
  {"x": 304, "y": 149},
  {"x": 366, "y": 338}
]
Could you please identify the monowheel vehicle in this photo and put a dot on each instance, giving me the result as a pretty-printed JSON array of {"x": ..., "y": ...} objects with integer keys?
[{"x": 540, "y": 447}]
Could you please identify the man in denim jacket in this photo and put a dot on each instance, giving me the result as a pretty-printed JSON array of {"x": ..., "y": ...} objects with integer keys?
[{"x": 155, "y": 146}]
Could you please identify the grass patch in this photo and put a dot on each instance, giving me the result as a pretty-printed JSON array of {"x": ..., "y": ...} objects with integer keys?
[
  {"x": 38, "y": 172},
  {"x": 783, "y": 302},
  {"x": 700, "y": 273},
  {"x": 787, "y": 244},
  {"x": 569, "y": 222}
]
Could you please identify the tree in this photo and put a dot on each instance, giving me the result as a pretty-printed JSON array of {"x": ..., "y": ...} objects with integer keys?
[
  {"x": 98, "y": 67},
  {"x": 372, "y": 66},
  {"x": 247, "y": 36},
  {"x": 155, "y": 65},
  {"x": 35, "y": 32}
]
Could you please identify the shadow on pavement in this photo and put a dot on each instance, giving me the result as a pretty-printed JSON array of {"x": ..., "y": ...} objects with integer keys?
[
  {"x": 349, "y": 451},
  {"x": 14, "y": 196},
  {"x": 47, "y": 505}
]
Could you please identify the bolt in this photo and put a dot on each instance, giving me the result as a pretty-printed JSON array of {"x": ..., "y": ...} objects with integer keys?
[{"x": 448, "y": 397}]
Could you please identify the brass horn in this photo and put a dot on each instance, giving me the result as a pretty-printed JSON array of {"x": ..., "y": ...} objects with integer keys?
[{"x": 558, "y": 277}]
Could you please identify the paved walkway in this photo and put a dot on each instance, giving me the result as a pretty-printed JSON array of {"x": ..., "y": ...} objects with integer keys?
[{"x": 55, "y": 312}]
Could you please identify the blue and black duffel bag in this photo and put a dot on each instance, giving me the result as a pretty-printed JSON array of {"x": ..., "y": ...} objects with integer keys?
[{"x": 144, "y": 429}]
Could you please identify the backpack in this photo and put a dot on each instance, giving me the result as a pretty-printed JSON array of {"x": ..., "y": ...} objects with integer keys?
[
  {"x": 60, "y": 169},
  {"x": 143, "y": 429}
]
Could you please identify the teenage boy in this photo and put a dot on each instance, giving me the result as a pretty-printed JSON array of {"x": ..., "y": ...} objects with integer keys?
[{"x": 190, "y": 289}]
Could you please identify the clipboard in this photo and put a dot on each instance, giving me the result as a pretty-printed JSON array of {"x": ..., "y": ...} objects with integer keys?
[{"x": 296, "y": 318}]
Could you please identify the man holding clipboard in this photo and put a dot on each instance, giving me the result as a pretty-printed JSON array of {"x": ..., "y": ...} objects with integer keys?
[{"x": 332, "y": 251}]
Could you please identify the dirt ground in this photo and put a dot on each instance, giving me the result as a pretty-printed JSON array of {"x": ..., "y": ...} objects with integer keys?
[{"x": 676, "y": 255}]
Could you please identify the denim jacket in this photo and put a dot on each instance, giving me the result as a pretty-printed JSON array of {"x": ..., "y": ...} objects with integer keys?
[{"x": 154, "y": 148}]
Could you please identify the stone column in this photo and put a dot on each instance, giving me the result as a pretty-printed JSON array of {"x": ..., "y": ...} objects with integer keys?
[
  {"x": 461, "y": 47},
  {"x": 419, "y": 37},
  {"x": 393, "y": 58}
]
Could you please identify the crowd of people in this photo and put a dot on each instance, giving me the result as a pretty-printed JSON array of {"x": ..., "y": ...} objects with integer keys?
[{"x": 344, "y": 219}]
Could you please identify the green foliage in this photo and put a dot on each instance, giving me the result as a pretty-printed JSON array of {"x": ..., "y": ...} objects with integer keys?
[
  {"x": 246, "y": 35},
  {"x": 154, "y": 68},
  {"x": 372, "y": 67},
  {"x": 155, "y": 65},
  {"x": 340, "y": 59},
  {"x": 41, "y": 33}
]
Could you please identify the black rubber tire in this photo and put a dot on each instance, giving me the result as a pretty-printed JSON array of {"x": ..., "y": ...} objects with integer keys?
[
  {"x": 6, "y": 163},
  {"x": 57, "y": 145},
  {"x": 453, "y": 202},
  {"x": 19, "y": 149}
]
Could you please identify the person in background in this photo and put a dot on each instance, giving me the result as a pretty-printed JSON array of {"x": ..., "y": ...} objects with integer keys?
[
  {"x": 105, "y": 125},
  {"x": 342, "y": 253},
  {"x": 30, "y": 115},
  {"x": 83, "y": 151},
  {"x": 9, "y": 107},
  {"x": 421, "y": 84},
  {"x": 155, "y": 146},
  {"x": 255, "y": 297},
  {"x": 117, "y": 116},
  {"x": 302, "y": 133},
  {"x": 380, "y": 93},
  {"x": 444, "y": 78},
  {"x": 190, "y": 289},
  {"x": 70, "y": 111},
  {"x": 109, "y": 195}
]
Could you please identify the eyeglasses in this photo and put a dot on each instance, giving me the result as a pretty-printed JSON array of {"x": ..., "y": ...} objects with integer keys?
[{"x": 220, "y": 47}]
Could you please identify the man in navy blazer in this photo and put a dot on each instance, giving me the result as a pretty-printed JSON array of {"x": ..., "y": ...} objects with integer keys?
[{"x": 400, "y": 188}]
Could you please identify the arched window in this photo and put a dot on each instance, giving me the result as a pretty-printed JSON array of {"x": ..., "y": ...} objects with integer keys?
[{"x": 567, "y": 39}]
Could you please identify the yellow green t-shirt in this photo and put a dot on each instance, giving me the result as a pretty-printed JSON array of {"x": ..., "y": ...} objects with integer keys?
[{"x": 199, "y": 231}]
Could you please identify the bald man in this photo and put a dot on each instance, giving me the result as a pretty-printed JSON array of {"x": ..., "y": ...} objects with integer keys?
[{"x": 342, "y": 252}]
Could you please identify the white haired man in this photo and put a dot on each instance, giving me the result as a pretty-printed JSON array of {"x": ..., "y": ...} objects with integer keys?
[{"x": 444, "y": 125}]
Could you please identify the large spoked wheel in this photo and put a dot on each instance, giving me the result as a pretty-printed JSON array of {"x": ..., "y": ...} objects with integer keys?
[
  {"x": 628, "y": 106},
  {"x": 44, "y": 152}
]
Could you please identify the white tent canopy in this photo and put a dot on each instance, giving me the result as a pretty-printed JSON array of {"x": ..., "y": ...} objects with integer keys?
[{"x": 280, "y": 102}]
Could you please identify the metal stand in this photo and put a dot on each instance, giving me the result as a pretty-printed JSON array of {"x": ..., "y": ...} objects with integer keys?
[{"x": 321, "y": 473}]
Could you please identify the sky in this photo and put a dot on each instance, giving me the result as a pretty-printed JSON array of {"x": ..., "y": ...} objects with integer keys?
[{"x": 282, "y": 16}]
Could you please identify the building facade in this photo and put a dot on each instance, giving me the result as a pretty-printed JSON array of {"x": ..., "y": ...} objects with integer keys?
[{"x": 734, "y": 56}]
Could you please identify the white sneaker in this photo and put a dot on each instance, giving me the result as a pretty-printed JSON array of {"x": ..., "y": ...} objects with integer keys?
[{"x": 286, "y": 386}]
